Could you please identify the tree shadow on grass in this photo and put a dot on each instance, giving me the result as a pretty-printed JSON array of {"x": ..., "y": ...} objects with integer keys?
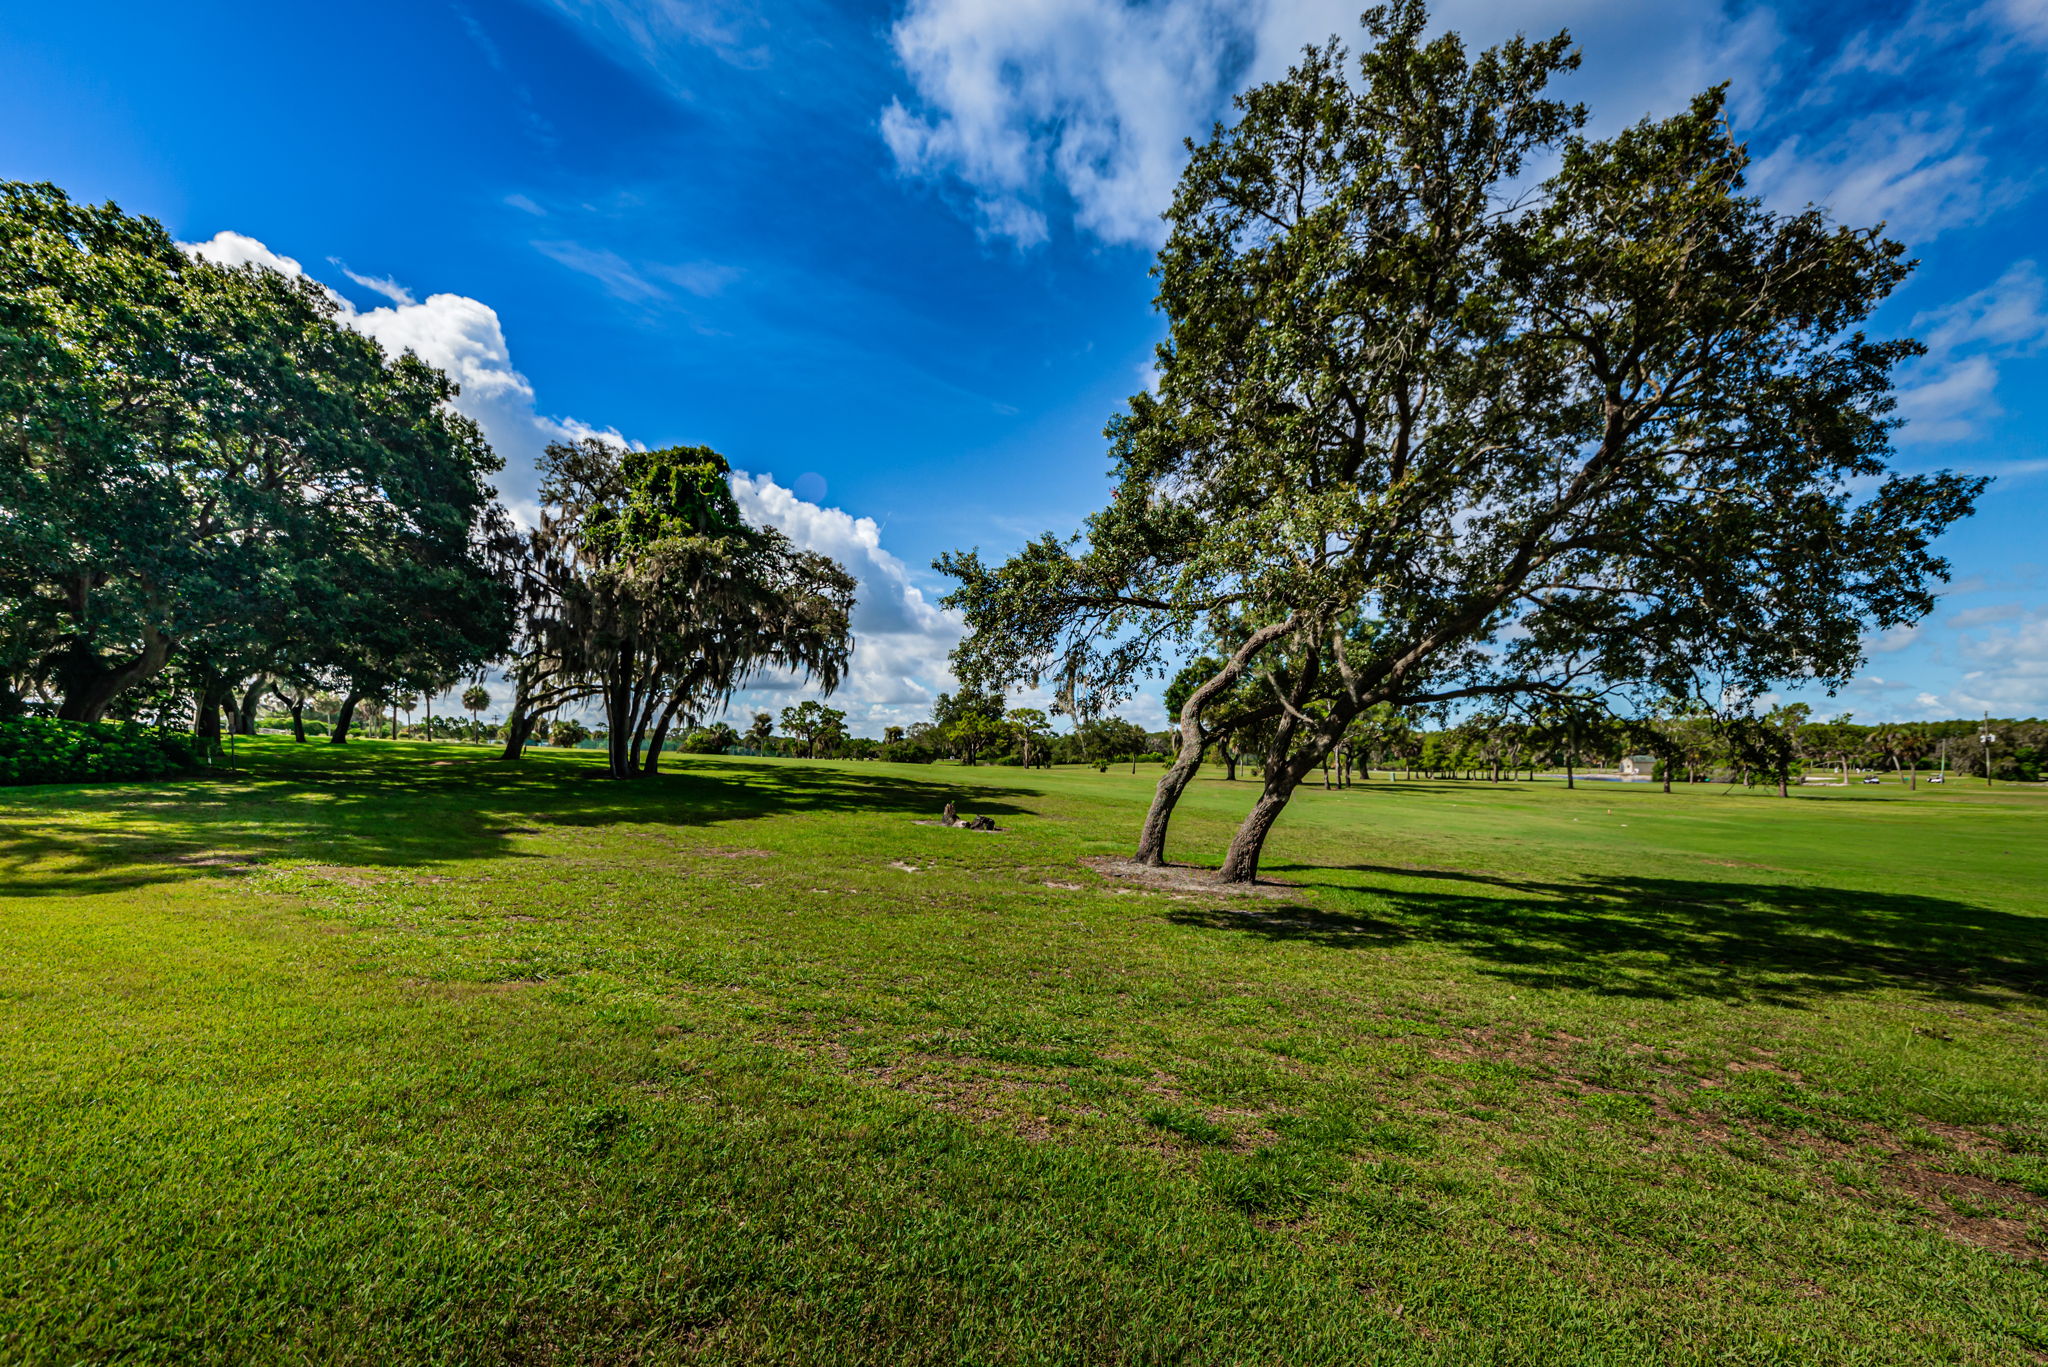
[
  {"x": 357, "y": 807},
  {"x": 1772, "y": 943}
]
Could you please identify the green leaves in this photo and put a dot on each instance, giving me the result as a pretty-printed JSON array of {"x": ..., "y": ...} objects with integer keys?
[
  {"x": 44, "y": 750},
  {"x": 643, "y": 584},
  {"x": 1477, "y": 439},
  {"x": 204, "y": 462}
]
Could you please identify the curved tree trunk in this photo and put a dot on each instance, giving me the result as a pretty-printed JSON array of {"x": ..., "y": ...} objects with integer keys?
[
  {"x": 519, "y": 729},
  {"x": 1241, "y": 864},
  {"x": 345, "y": 718},
  {"x": 1194, "y": 743},
  {"x": 86, "y": 686},
  {"x": 652, "y": 763},
  {"x": 517, "y": 724},
  {"x": 1287, "y": 764},
  {"x": 252, "y": 699},
  {"x": 1172, "y": 783}
]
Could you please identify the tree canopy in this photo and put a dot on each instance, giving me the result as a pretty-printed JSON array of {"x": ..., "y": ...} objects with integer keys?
[
  {"x": 1425, "y": 431},
  {"x": 202, "y": 463},
  {"x": 643, "y": 585}
]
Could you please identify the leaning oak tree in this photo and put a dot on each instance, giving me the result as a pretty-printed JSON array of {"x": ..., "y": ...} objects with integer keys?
[
  {"x": 644, "y": 586},
  {"x": 1428, "y": 432}
]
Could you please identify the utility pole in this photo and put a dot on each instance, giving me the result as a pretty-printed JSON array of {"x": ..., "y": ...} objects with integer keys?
[{"x": 1985, "y": 738}]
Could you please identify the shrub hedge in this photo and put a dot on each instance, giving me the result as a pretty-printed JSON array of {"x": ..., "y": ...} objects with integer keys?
[{"x": 42, "y": 750}]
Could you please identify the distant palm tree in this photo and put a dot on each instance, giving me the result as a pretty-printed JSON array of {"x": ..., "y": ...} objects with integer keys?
[
  {"x": 760, "y": 731},
  {"x": 1903, "y": 746},
  {"x": 475, "y": 699}
]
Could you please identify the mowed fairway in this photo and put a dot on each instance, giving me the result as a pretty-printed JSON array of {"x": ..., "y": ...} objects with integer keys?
[{"x": 404, "y": 1054}]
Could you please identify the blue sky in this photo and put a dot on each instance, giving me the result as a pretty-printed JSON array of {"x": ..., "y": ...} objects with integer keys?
[{"x": 891, "y": 259}]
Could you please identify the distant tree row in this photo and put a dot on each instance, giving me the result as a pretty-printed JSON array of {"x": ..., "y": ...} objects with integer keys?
[{"x": 1684, "y": 745}]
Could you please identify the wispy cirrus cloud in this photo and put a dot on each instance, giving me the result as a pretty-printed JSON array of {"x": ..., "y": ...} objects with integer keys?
[
  {"x": 620, "y": 278},
  {"x": 1918, "y": 172},
  {"x": 624, "y": 280},
  {"x": 1048, "y": 109},
  {"x": 1044, "y": 109},
  {"x": 1949, "y": 395},
  {"x": 1013, "y": 100}
]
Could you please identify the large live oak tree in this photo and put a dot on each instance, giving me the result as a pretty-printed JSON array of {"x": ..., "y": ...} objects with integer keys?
[
  {"x": 203, "y": 462},
  {"x": 1427, "y": 430}
]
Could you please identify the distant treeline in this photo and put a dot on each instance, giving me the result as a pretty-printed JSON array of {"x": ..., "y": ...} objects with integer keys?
[{"x": 977, "y": 729}]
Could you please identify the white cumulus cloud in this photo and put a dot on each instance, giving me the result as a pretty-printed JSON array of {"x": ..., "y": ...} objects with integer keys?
[
  {"x": 462, "y": 336},
  {"x": 901, "y": 639}
]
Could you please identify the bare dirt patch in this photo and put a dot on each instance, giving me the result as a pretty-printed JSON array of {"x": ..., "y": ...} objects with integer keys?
[
  {"x": 216, "y": 859},
  {"x": 353, "y": 878},
  {"x": 1183, "y": 878},
  {"x": 1975, "y": 1210},
  {"x": 732, "y": 854}
]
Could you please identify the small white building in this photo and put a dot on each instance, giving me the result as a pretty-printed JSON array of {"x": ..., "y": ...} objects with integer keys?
[{"x": 1639, "y": 767}]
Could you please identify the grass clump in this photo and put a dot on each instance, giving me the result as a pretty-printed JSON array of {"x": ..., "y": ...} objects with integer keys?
[{"x": 1196, "y": 1129}]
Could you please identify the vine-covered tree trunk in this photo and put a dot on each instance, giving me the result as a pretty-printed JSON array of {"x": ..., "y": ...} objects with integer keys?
[{"x": 212, "y": 694}]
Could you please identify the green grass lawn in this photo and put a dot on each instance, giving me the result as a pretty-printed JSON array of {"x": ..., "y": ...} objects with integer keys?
[{"x": 406, "y": 1054}]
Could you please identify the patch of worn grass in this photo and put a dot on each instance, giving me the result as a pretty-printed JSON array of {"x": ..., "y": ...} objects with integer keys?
[{"x": 352, "y": 1057}]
